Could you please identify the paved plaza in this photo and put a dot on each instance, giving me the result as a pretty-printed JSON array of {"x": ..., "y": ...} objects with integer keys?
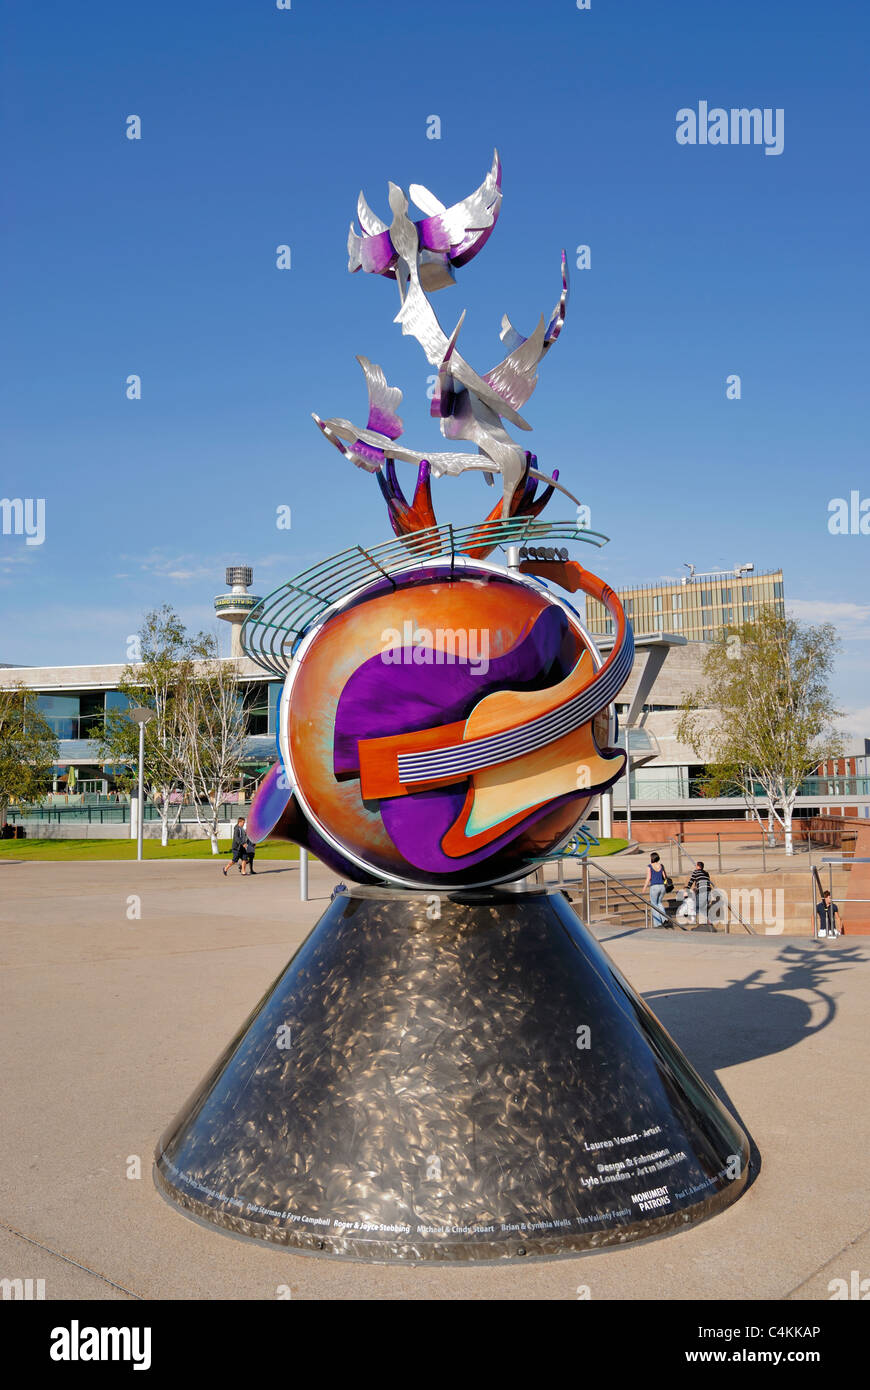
[{"x": 110, "y": 1019}]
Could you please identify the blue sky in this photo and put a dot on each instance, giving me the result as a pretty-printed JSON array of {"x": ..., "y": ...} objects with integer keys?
[{"x": 259, "y": 127}]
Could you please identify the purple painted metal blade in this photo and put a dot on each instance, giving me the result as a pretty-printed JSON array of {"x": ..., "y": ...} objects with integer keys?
[
  {"x": 269, "y": 804},
  {"x": 382, "y": 698}
]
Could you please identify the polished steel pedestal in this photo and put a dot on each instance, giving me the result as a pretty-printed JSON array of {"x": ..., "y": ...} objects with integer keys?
[{"x": 451, "y": 1077}]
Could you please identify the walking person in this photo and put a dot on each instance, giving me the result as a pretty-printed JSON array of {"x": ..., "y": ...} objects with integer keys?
[
  {"x": 700, "y": 884},
  {"x": 250, "y": 851},
  {"x": 239, "y": 838},
  {"x": 828, "y": 914},
  {"x": 655, "y": 882}
]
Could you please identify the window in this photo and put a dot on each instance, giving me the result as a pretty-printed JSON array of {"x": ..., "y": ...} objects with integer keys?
[
  {"x": 676, "y": 601},
  {"x": 677, "y": 621},
  {"x": 747, "y": 593},
  {"x": 777, "y": 589},
  {"x": 706, "y": 598},
  {"x": 61, "y": 712},
  {"x": 255, "y": 705},
  {"x": 657, "y": 603},
  {"x": 726, "y": 595},
  {"x": 92, "y": 713},
  {"x": 749, "y": 612}
]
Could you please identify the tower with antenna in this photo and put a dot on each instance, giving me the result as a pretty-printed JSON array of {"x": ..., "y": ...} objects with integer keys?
[{"x": 235, "y": 606}]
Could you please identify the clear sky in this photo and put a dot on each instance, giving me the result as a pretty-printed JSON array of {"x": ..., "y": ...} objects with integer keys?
[{"x": 259, "y": 127}]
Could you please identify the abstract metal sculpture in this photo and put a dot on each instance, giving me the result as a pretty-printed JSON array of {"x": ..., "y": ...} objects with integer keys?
[
  {"x": 420, "y": 256},
  {"x": 443, "y": 733},
  {"x": 445, "y": 724}
]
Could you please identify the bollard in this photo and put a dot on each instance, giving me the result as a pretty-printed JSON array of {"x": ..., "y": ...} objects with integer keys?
[{"x": 303, "y": 875}]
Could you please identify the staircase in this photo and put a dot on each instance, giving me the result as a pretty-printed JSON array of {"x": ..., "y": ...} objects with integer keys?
[{"x": 609, "y": 902}]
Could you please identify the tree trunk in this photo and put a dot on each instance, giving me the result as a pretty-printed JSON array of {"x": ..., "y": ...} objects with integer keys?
[{"x": 786, "y": 816}]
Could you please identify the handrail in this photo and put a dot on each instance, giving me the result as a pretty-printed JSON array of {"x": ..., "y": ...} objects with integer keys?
[
  {"x": 588, "y": 863},
  {"x": 680, "y": 850}
]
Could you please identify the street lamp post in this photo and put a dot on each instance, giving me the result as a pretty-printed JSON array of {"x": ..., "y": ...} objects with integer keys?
[
  {"x": 141, "y": 715},
  {"x": 627, "y": 784}
]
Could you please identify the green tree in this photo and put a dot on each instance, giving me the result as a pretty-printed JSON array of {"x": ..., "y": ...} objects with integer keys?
[
  {"x": 213, "y": 733},
  {"x": 28, "y": 749},
  {"x": 159, "y": 681},
  {"x": 765, "y": 714}
]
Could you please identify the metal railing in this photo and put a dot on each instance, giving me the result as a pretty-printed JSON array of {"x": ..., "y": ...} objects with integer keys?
[
  {"x": 766, "y": 840},
  {"x": 585, "y": 864},
  {"x": 621, "y": 887},
  {"x": 109, "y": 815}
]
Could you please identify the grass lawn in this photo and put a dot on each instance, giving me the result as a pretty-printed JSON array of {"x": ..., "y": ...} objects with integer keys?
[
  {"x": 83, "y": 850},
  {"x": 126, "y": 849}
]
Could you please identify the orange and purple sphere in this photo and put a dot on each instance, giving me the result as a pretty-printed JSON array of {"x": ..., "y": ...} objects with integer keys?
[{"x": 414, "y": 731}]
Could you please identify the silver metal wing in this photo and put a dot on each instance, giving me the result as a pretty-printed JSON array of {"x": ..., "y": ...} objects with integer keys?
[
  {"x": 384, "y": 400},
  {"x": 516, "y": 377},
  {"x": 474, "y": 213},
  {"x": 370, "y": 223}
]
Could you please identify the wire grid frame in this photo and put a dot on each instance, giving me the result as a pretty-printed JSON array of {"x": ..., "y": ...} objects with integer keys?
[{"x": 275, "y": 626}]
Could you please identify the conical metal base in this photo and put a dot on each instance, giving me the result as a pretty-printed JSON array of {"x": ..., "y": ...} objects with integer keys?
[{"x": 459, "y": 1077}]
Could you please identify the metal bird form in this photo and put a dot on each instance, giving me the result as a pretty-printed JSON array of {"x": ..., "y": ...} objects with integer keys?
[
  {"x": 420, "y": 256},
  {"x": 447, "y": 237},
  {"x": 372, "y": 446}
]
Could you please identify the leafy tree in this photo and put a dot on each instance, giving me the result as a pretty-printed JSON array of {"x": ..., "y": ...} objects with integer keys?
[
  {"x": 28, "y": 748},
  {"x": 194, "y": 743},
  {"x": 765, "y": 714},
  {"x": 159, "y": 682},
  {"x": 213, "y": 733}
]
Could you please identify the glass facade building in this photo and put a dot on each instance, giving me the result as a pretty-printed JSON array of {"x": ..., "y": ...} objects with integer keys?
[{"x": 696, "y": 608}]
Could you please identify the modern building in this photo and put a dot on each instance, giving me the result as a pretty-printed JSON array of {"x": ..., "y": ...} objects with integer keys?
[
  {"x": 697, "y": 607},
  {"x": 75, "y": 700},
  {"x": 673, "y": 622},
  {"x": 666, "y": 775}
]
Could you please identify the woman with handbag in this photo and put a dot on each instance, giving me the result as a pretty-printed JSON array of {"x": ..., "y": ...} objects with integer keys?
[{"x": 656, "y": 882}]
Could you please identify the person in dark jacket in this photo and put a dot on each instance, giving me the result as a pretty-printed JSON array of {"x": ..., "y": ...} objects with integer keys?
[
  {"x": 701, "y": 885},
  {"x": 250, "y": 851},
  {"x": 829, "y": 916},
  {"x": 239, "y": 838}
]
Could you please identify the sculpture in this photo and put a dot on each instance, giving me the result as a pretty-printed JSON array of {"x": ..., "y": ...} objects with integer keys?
[
  {"x": 407, "y": 757},
  {"x": 460, "y": 1072}
]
